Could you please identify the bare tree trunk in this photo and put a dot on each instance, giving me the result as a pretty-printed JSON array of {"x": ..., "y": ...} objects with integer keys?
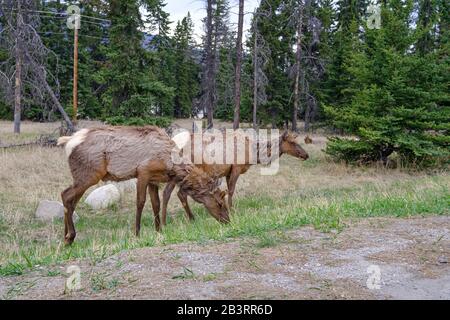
[
  {"x": 18, "y": 75},
  {"x": 237, "y": 83},
  {"x": 298, "y": 57},
  {"x": 209, "y": 64},
  {"x": 18, "y": 91},
  {"x": 55, "y": 100},
  {"x": 255, "y": 75}
]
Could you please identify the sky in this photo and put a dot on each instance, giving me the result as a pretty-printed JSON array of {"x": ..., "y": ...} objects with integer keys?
[{"x": 178, "y": 9}]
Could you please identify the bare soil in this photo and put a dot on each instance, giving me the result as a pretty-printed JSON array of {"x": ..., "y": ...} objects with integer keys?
[{"x": 411, "y": 254}]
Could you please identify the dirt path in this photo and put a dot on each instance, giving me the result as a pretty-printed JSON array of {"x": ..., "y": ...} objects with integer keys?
[{"x": 411, "y": 254}]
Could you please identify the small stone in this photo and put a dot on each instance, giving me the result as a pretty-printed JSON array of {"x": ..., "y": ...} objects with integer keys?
[
  {"x": 50, "y": 210},
  {"x": 279, "y": 262},
  {"x": 442, "y": 260}
]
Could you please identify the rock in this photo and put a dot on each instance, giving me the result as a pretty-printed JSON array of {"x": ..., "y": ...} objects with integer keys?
[
  {"x": 279, "y": 262},
  {"x": 442, "y": 260},
  {"x": 103, "y": 197},
  {"x": 126, "y": 186},
  {"x": 49, "y": 210}
]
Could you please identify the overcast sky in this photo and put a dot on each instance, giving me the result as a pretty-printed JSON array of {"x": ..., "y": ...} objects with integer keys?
[{"x": 178, "y": 9}]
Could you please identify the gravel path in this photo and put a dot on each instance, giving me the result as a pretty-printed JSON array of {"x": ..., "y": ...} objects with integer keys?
[{"x": 381, "y": 258}]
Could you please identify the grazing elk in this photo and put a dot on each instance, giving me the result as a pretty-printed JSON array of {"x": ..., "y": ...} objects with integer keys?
[
  {"x": 123, "y": 153},
  {"x": 288, "y": 144}
]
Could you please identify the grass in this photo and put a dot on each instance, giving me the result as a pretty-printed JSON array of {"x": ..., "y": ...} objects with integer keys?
[{"x": 319, "y": 193}]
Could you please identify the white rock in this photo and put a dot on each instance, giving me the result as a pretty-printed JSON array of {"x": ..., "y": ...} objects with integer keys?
[
  {"x": 103, "y": 197},
  {"x": 49, "y": 210},
  {"x": 128, "y": 186}
]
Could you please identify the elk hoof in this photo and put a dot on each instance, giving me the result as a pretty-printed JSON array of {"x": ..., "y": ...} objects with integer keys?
[{"x": 69, "y": 238}]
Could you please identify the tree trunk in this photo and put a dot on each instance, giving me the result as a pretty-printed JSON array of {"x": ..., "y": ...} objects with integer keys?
[
  {"x": 237, "y": 83},
  {"x": 18, "y": 90},
  {"x": 18, "y": 75},
  {"x": 255, "y": 75},
  {"x": 55, "y": 100},
  {"x": 209, "y": 64},
  {"x": 298, "y": 57}
]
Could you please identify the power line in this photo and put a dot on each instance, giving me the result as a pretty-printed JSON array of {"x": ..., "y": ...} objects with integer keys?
[
  {"x": 82, "y": 21},
  {"x": 62, "y": 14},
  {"x": 63, "y": 33}
]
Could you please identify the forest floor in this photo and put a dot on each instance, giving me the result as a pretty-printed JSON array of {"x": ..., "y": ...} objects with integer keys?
[{"x": 317, "y": 229}]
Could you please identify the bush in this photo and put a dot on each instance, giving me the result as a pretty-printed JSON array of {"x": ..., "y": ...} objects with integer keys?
[
  {"x": 6, "y": 112},
  {"x": 161, "y": 122}
]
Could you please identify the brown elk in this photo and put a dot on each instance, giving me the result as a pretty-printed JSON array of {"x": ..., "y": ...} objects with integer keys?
[
  {"x": 123, "y": 153},
  {"x": 288, "y": 144}
]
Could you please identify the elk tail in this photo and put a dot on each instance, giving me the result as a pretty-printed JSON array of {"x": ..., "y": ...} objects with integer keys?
[{"x": 63, "y": 141}]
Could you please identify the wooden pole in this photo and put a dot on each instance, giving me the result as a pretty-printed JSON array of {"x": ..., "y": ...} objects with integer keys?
[{"x": 75, "y": 75}]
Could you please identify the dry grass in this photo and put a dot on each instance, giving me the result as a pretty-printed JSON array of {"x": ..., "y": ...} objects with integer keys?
[
  {"x": 30, "y": 131},
  {"x": 31, "y": 174}
]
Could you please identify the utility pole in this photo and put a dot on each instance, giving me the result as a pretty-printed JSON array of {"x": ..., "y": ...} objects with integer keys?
[
  {"x": 73, "y": 22},
  {"x": 75, "y": 75}
]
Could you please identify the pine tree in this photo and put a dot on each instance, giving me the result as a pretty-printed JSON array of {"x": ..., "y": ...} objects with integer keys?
[
  {"x": 397, "y": 97},
  {"x": 186, "y": 70},
  {"x": 133, "y": 89}
]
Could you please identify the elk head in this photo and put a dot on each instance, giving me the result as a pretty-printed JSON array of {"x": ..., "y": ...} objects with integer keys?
[
  {"x": 205, "y": 190},
  {"x": 217, "y": 204},
  {"x": 289, "y": 144}
]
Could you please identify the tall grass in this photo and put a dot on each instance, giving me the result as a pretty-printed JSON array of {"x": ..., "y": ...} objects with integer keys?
[
  {"x": 316, "y": 192},
  {"x": 101, "y": 235}
]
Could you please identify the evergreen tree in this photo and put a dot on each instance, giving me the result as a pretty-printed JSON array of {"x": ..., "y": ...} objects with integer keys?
[
  {"x": 397, "y": 98},
  {"x": 186, "y": 70},
  {"x": 133, "y": 89}
]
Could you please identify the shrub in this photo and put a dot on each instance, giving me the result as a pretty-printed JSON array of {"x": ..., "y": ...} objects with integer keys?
[{"x": 140, "y": 122}]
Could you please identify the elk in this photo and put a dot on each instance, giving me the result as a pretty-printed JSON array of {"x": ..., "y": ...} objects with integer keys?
[
  {"x": 123, "y": 153},
  {"x": 288, "y": 144}
]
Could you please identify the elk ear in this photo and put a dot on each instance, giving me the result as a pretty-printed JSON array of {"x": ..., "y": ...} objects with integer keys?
[
  {"x": 223, "y": 194},
  {"x": 285, "y": 135}
]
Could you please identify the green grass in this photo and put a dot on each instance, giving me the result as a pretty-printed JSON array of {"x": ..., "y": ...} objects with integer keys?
[{"x": 104, "y": 234}]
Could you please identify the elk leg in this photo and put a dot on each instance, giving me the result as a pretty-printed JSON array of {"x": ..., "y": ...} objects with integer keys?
[
  {"x": 140, "y": 202},
  {"x": 231, "y": 183},
  {"x": 166, "y": 196},
  {"x": 154, "y": 197},
  {"x": 71, "y": 196},
  {"x": 184, "y": 201}
]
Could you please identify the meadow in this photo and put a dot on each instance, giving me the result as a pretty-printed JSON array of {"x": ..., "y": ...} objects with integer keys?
[{"x": 318, "y": 192}]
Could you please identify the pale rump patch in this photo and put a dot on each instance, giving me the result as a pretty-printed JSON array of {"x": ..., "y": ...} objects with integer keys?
[
  {"x": 77, "y": 139},
  {"x": 182, "y": 139},
  {"x": 63, "y": 140}
]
